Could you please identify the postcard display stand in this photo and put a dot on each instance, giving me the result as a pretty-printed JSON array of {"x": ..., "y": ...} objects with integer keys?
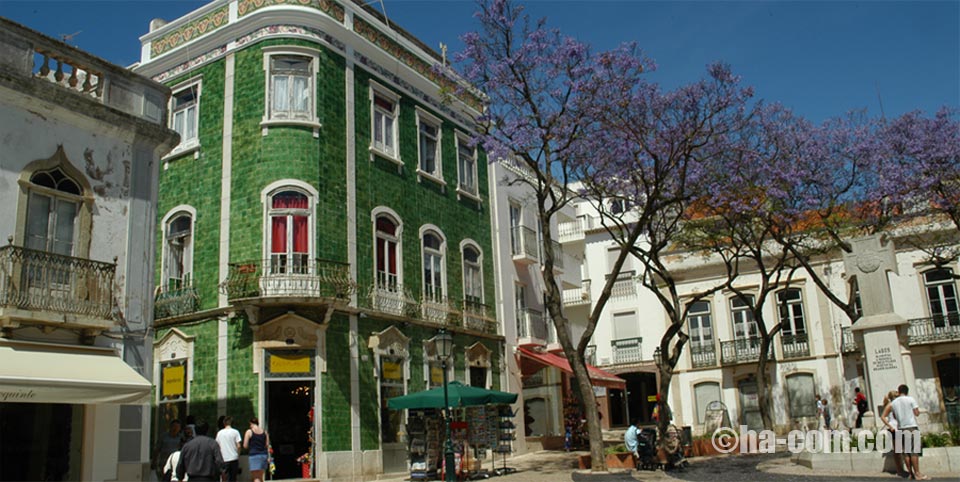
[
  {"x": 425, "y": 429},
  {"x": 505, "y": 436}
]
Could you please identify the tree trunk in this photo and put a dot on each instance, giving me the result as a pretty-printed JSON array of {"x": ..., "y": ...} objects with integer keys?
[{"x": 763, "y": 390}]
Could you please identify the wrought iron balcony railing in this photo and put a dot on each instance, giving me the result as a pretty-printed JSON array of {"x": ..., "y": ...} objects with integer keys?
[
  {"x": 283, "y": 277},
  {"x": 577, "y": 296},
  {"x": 523, "y": 243},
  {"x": 41, "y": 281},
  {"x": 743, "y": 350},
  {"x": 848, "y": 343},
  {"x": 176, "y": 299},
  {"x": 626, "y": 350},
  {"x": 703, "y": 355},
  {"x": 438, "y": 309},
  {"x": 795, "y": 345},
  {"x": 478, "y": 316},
  {"x": 532, "y": 324},
  {"x": 934, "y": 329}
]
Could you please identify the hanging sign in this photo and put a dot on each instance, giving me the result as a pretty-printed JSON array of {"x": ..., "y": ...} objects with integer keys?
[
  {"x": 391, "y": 371},
  {"x": 289, "y": 363},
  {"x": 436, "y": 375},
  {"x": 174, "y": 381}
]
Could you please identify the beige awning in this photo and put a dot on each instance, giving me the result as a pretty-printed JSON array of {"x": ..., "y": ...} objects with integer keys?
[{"x": 48, "y": 373}]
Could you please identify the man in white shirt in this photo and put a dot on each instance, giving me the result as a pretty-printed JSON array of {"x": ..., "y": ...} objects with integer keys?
[
  {"x": 229, "y": 440},
  {"x": 907, "y": 434}
]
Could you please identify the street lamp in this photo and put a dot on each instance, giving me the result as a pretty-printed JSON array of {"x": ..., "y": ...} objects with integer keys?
[{"x": 444, "y": 344}]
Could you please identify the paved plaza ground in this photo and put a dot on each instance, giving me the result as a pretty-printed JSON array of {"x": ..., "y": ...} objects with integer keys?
[{"x": 554, "y": 466}]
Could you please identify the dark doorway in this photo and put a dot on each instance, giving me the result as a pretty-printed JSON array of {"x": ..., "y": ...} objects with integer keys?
[
  {"x": 641, "y": 395},
  {"x": 478, "y": 377},
  {"x": 948, "y": 371},
  {"x": 40, "y": 441},
  {"x": 618, "y": 407},
  {"x": 288, "y": 422}
]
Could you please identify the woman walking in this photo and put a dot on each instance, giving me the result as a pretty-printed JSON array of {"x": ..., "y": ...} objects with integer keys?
[{"x": 257, "y": 442}]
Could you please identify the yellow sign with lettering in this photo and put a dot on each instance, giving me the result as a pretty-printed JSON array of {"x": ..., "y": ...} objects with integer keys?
[
  {"x": 436, "y": 375},
  {"x": 174, "y": 381},
  {"x": 651, "y": 398},
  {"x": 391, "y": 371},
  {"x": 289, "y": 363}
]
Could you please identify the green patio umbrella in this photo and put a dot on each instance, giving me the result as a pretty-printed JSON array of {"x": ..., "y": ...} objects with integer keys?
[{"x": 460, "y": 396}]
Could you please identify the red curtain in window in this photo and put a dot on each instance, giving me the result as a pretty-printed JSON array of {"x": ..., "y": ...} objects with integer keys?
[
  {"x": 392, "y": 247},
  {"x": 381, "y": 263},
  {"x": 300, "y": 234},
  {"x": 290, "y": 200},
  {"x": 278, "y": 235}
]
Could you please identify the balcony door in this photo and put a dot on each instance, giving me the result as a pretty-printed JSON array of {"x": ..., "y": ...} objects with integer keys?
[{"x": 52, "y": 210}]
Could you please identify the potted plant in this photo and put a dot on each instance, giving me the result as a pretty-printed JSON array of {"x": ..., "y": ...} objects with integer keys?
[{"x": 618, "y": 457}]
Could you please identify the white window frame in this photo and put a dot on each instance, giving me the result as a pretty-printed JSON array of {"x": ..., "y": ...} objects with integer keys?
[
  {"x": 377, "y": 89},
  {"x": 698, "y": 338},
  {"x": 442, "y": 253},
  {"x": 192, "y": 144},
  {"x": 791, "y": 309},
  {"x": 459, "y": 138},
  {"x": 424, "y": 117},
  {"x": 469, "y": 243},
  {"x": 266, "y": 198},
  {"x": 397, "y": 238},
  {"x": 188, "y": 249},
  {"x": 430, "y": 360},
  {"x": 941, "y": 298},
  {"x": 271, "y": 119},
  {"x": 744, "y": 316}
]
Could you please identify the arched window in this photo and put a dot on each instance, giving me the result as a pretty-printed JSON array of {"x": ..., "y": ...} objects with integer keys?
[
  {"x": 701, "y": 326},
  {"x": 52, "y": 211},
  {"x": 472, "y": 275},
  {"x": 178, "y": 251},
  {"x": 790, "y": 304},
  {"x": 941, "y": 296},
  {"x": 386, "y": 253},
  {"x": 289, "y": 232},
  {"x": 433, "y": 267}
]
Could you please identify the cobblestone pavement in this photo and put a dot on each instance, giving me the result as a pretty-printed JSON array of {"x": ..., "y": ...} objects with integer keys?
[{"x": 552, "y": 466}]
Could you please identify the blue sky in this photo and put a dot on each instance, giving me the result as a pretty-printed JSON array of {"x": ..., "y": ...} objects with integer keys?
[{"x": 820, "y": 58}]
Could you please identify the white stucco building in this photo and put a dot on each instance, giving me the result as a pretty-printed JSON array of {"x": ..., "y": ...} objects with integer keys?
[
  {"x": 816, "y": 351},
  {"x": 536, "y": 366},
  {"x": 81, "y": 143}
]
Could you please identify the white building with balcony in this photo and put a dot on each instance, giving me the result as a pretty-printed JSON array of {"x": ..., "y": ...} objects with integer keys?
[
  {"x": 815, "y": 352},
  {"x": 536, "y": 366},
  {"x": 81, "y": 143}
]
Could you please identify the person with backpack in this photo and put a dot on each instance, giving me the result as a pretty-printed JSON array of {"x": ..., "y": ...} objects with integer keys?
[{"x": 860, "y": 401}]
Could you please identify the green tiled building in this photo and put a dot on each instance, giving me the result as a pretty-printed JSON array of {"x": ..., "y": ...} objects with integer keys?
[{"x": 322, "y": 219}]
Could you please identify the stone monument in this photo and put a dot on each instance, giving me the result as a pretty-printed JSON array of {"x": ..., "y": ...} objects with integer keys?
[{"x": 880, "y": 333}]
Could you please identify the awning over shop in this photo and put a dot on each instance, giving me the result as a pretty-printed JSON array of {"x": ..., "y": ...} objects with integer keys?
[
  {"x": 458, "y": 394},
  {"x": 531, "y": 361},
  {"x": 47, "y": 373}
]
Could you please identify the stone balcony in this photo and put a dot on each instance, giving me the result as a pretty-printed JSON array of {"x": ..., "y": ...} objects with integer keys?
[
  {"x": 478, "y": 317},
  {"x": 577, "y": 296},
  {"x": 626, "y": 350},
  {"x": 744, "y": 350},
  {"x": 79, "y": 80},
  {"x": 703, "y": 355},
  {"x": 795, "y": 345},
  {"x": 524, "y": 246},
  {"x": 38, "y": 287},
  {"x": 534, "y": 328},
  {"x": 284, "y": 281}
]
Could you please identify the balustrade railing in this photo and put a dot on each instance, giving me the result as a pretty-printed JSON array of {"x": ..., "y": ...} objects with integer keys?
[
  {"x": 795, "y": 345},
  {"x": 30, "y": 54},
  {"x": 626, "y": 350},
  {"x": 533, "y": 325},
  {"x": 438, "y": 309},
  {"x": 577, "y": 296},
  {"x": 288, "y": 277},
  {"x": 624, "y": 288},
  {"x": 848, "y": 343},
  {"x": 744, "y": 350},
  {"x": 934, "y": 329},
  {"x": 570, "y": 230},
  {"x": 703, "y": 355},
  {"x": 43, "y": 281}
]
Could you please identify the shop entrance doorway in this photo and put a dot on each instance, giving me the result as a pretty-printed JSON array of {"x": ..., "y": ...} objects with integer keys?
[
  {"x": 40, "y": 441},
  {"x": 288, "y": 420},
  {"x": 641, "y": 395}
]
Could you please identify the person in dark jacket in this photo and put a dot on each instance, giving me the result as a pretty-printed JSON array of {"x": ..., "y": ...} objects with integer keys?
[{"x": 200, "y": 457}]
